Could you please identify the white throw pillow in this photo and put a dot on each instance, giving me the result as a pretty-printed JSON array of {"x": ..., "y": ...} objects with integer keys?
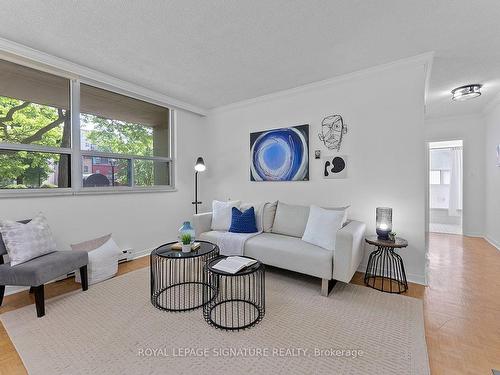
[
  {"x": 221, "y": 214},
  {"x": 27, "y": 241},
  {"x": 103, "y": 259},
  {"x": 322, "y": 227},
  {"x": 344, "y": 209},
  {"x": 259, "y": 212}
]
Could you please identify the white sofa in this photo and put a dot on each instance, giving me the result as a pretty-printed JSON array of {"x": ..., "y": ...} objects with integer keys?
[{"x": 280, "y": 245}]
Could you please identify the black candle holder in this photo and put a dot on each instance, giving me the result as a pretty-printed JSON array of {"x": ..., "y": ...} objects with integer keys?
[{"x": 384, "y": 222}]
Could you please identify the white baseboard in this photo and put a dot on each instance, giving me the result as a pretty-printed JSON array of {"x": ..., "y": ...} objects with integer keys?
[
  {"x": 481, "y": 235},
  {"x": 492, "y": 242},
  {"x": 142, "y": 253}
]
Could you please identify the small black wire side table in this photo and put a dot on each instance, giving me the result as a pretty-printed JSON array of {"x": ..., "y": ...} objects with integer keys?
[
  {"x": 240, "y": 301},
  {"x": 385, "y": 270},
  {"x": 178, "y": 280}
]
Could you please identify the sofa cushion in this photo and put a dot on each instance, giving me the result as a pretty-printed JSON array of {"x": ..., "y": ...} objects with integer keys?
[
  {"x": 290, "y": 253},
  {"x": 211, "y": 236},
  {"x": 268, "y": 216},
  {"x": 40, "y": 270},
  {"x": 290, "y": 220}
]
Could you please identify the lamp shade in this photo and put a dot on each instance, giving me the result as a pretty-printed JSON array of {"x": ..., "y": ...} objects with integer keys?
[
  {"x": 384, "y": 222},
  {"x": 200, "y": 165}
]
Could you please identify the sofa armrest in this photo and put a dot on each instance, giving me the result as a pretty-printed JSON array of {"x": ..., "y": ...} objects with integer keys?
[
  {"x": 349, "y": 250},
  {"x": 202, "y": 223}
]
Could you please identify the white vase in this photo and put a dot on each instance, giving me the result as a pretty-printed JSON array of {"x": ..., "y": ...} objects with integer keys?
[{"x": 186, "y": 248}]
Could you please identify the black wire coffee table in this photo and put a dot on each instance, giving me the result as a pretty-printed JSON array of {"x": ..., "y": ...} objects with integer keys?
[
  {"x": 178, "y": 281},
  {"x": 240, "y": 301}
]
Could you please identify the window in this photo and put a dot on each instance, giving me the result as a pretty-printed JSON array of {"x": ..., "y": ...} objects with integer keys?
[
  {"x": 127, "y": 138},
  {"x": 35, "y": 129},
  {"x": 124, "y": 142},
  {"x": 445, "y": 177},
  {"x": 440, "y": 177},
  {"x": 435, "y": 177}
]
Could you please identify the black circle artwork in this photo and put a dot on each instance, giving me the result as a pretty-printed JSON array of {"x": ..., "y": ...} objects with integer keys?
[{"x": 337, "y": 165}]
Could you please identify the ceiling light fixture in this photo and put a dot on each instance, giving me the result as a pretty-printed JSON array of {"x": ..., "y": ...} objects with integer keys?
[{"x": 466, "y": 92}]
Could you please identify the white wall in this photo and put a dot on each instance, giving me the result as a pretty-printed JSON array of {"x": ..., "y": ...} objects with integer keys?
[
  {"x": 139, "y": 221},
  {"x": 492, "y": 176},
  {"x": 471, "y": 130},
  {"x": 384, "y": 112}
]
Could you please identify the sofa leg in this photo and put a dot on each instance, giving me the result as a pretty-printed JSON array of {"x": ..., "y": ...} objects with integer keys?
[
  {"x": 327, "y": 286},
  {"x": 2, "y": 291},
  {"x": 84, "y": 278},
  {"x": 39, "y": 300}
]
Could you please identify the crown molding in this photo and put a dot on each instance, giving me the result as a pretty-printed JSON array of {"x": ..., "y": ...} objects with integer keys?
[
  {"x": 33, "y": 58},
  {"x": 422, "y": 59}
]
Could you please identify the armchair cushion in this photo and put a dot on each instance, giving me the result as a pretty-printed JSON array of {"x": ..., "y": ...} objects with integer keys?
[{"x": 45, "y": 268}]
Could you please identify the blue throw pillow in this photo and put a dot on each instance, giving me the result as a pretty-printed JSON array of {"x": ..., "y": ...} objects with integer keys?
[{"x": 243, "y": 222}]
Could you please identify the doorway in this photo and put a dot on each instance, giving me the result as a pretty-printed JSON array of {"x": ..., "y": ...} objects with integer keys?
[{"x": 446, "y": 187}]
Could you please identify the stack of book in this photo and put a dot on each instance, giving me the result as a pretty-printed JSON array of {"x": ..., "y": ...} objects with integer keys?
[{"x": 178, "y": 246}]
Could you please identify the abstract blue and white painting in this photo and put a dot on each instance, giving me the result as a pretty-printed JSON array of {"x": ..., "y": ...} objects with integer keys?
[{"x": 280, "y": 154}]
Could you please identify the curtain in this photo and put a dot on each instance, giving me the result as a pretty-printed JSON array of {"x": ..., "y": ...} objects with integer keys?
[{"x": 456, "y": 180}]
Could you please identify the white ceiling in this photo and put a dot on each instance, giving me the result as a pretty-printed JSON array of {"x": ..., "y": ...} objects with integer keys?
[{"x": 215, "y": 52}]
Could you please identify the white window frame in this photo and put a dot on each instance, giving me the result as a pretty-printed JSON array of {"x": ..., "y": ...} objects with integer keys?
[{"x": 76, "y": 153}]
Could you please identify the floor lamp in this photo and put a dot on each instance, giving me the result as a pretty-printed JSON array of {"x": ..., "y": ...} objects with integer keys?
[{"x": 198, "y": 167}]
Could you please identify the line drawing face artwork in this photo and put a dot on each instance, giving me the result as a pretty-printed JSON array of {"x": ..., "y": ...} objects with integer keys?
[{"x": 332, "y": 132}]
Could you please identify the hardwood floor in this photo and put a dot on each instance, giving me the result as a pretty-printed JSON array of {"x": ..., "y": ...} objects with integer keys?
[{"x": 461, "y": 306}]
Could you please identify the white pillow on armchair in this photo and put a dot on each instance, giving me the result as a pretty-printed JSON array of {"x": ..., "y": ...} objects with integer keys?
[
  {"x": 24, "y": 242},
  {"x": 221, "y": 214}
]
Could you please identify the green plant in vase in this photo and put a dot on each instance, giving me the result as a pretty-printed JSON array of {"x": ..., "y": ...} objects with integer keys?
[{"x": 186, "y": 242}]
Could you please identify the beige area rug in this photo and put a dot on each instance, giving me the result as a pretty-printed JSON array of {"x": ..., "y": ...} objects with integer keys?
[{"x": 113, "y": 329}]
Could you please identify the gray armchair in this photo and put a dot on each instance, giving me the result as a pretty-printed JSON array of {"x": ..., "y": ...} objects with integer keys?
[{"x": 38, "y": 271}]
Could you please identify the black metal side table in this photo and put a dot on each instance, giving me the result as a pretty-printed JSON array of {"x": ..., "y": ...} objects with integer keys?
[
  {"x": 178, "y": 279},
  {"x": 240, "y": 301},
  {"x": 385, "y": 270}
]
